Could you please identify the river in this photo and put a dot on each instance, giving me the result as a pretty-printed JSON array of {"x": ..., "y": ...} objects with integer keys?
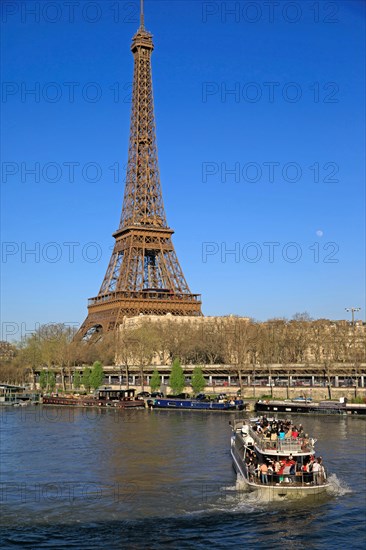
[{"x": 85, "y": 478}]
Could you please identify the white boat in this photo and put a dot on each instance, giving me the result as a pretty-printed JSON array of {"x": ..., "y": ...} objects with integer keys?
[{"x": 291, "y": 471}]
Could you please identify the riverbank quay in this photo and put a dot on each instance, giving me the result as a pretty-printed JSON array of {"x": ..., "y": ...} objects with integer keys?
[
  {"x": 265, "y": 392},
  {"x": 17, "y": 396}
]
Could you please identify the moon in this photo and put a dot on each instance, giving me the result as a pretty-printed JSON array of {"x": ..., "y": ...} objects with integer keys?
[{"x": 320, "y": 233}]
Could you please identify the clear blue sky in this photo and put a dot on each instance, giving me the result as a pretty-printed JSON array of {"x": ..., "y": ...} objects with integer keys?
[{"x": 292, "y": 130}]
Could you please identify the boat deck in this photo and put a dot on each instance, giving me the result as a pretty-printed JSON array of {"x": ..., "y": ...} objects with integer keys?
[{"x": 287, "y": 445}]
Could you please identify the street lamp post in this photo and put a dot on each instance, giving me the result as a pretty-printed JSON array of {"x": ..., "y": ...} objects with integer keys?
[{"x": 352, "y": 310}]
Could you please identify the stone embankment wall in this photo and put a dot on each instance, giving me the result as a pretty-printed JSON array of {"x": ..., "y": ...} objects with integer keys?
[{"x": 316, "y": 393}]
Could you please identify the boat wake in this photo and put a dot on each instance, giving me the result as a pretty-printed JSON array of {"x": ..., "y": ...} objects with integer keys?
[{"x": 337, "y": 487}]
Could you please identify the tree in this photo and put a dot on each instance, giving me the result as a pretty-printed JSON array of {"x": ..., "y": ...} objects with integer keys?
[
  {"x": 96, "y": 375},
  {"x": 198, "y": 381},
  {"x": 155, "y": 381},
  {"x": 85, "y": 379},
  {"x": 43, "y": 380},
  {"x": 176, "y": 380},
  {"x": 51, "y": 380},
  {"x": 144, "y": 343},
  {"x": 241, "y": 347},
  {"x": 125, "y": 352},
  {"x": 77, "y": 380}
]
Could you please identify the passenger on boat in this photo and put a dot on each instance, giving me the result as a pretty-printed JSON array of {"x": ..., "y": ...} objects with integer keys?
[
  {"x": 264, "y": 473},
  {"x": 270, "y": 471},
  {"x": 281, "y": 433},
  {"x": 251, "y": 471},
  {"x": 294, "y": 433},
  {"x": 305, "y": 443},
  {"x": 322, "y": 475},
  {"x": 316, "y": 472}
]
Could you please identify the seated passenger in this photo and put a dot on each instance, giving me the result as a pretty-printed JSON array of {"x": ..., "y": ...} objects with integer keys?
[{"x": 281, "y": 434}]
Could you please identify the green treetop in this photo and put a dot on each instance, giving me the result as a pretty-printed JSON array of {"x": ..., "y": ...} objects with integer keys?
[
  {"x": 198, "y": 381},
  {"x": 85, "y": 379},
  {"x": 155, "y": 381},
  {"x": 96, "y": 375},
  {"x": 177, "y": 380}
]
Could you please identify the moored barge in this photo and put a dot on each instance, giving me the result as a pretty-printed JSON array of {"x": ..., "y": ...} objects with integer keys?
[
  {"x": 121, "y": 399},
  {"x": 306, "y": 407},
  {"x": 197, "y": 404}
]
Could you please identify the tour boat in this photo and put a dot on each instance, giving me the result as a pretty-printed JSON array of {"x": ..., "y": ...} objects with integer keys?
[
  {"x": 121, "y": 399},
  {"x": 291, "y": 469}
]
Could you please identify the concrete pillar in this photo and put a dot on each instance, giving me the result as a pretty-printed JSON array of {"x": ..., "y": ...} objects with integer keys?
[
  {"x": 229, "y": 380},
  {"x": 133, "y": 380},
  {"x": 270, "y": 380},
  {"x": 109, "y": 380},
  {"x": 362, "y": 381},
  {"x": 162, "y": 380},
  {"x": 210, "y": 380},
  {"x": 290, "y": 378},
  {"x": 313, "y": 380},
  {"x": 336, "y": 382},
  {"x": 120, "y": 380}
]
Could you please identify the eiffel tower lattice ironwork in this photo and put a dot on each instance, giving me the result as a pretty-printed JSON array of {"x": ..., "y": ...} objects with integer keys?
[{"x": 143, "y": 275}]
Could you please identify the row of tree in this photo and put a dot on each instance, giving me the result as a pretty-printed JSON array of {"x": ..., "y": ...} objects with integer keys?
[
  {"x": 226, "y": 340},
  {"x": 89, "y": 378},
  {"x": 92, "y": 378}
]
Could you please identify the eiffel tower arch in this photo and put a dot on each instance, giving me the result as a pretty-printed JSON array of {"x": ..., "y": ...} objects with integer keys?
[{"x": 144, "y": 275}]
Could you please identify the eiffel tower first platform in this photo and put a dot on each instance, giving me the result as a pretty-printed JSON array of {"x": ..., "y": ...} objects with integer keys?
[{"x": 143, "y": 275}]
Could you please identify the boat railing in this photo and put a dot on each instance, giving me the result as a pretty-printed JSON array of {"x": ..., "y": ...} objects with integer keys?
[
  {"x": 284, "y": 445},
  {"x": 300, "y": 478}
]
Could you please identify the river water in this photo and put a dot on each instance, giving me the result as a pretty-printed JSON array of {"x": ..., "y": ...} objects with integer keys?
[{"x": 83, "y": 478}]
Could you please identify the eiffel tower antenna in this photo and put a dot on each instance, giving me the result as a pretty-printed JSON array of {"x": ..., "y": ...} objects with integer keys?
[
  {"x": 142, "y": 18},
  {"x": 144, "y": 275}
]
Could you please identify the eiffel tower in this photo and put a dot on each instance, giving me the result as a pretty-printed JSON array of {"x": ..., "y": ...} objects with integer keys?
[{"x": 143, "y": 275}]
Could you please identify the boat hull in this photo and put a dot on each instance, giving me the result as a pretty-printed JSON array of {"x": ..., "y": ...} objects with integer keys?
[
  {"x": 309, "y": 408},
  {"x": 277, "y": 492},
  {"x": 192, "y": 405},
  {"x": 77, "y": 402}
]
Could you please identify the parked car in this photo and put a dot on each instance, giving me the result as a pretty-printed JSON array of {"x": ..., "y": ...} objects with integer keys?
[
  {"x": 201, "y": 397},
  {"x": 143, "y": 395},
  {"x": 157, "y": 394}
]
